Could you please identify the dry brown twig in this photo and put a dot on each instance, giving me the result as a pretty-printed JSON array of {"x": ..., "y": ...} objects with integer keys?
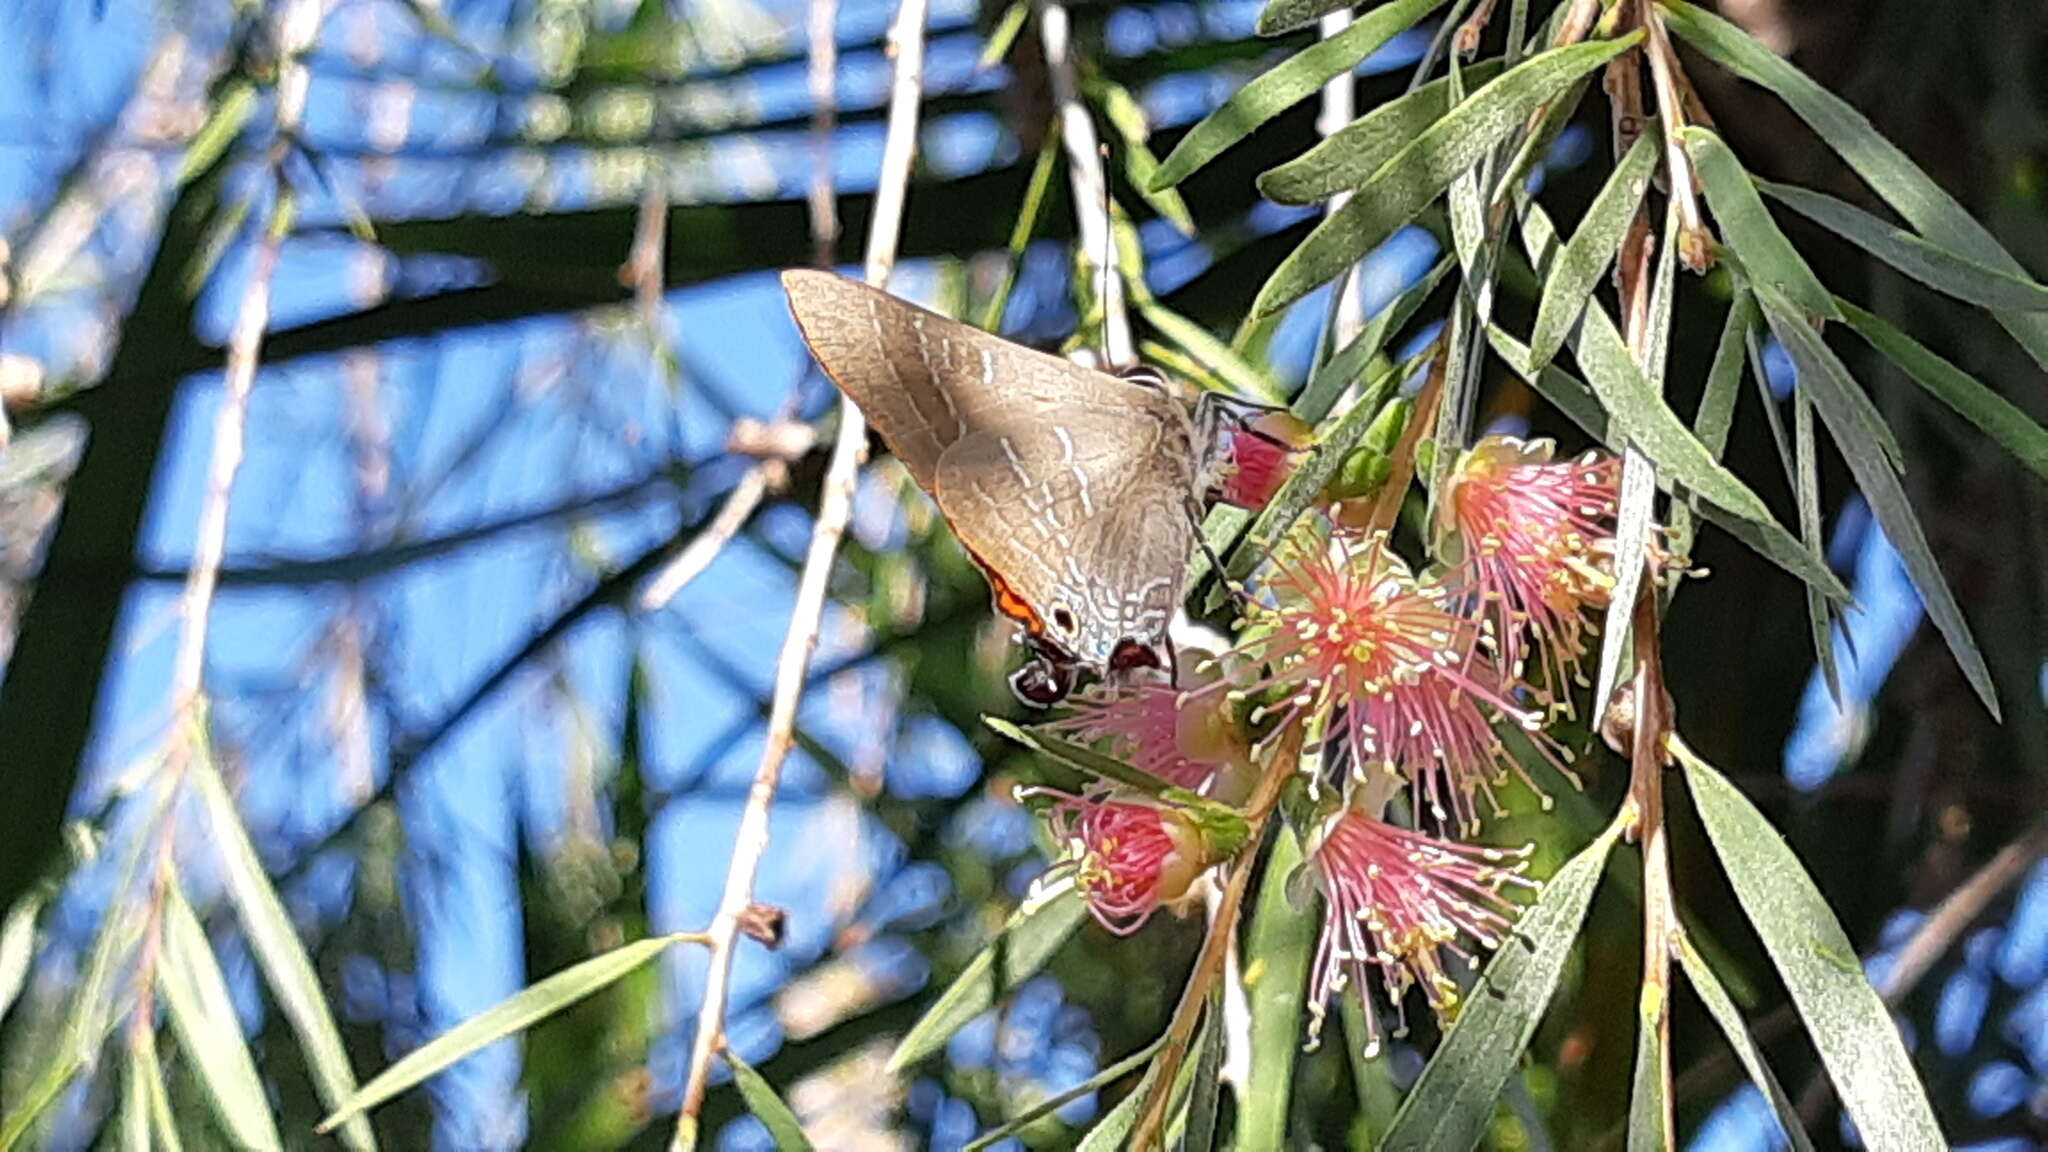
[
  {"x": 768, "y": 471},
  {"x": 1693, "y": 246},
  {"x": 1089, "y": 183},
  {"x": 1652, "y": 719},
  {"x": 297, "y": 26},
  {"x": 906, "y": 41}
]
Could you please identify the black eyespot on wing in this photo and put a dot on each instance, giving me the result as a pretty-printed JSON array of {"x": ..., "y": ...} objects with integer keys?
[{"x": 1063, "y": 619}]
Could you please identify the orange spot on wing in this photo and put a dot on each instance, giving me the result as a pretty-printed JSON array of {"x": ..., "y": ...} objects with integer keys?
[{"x": 1007, "y": 601}]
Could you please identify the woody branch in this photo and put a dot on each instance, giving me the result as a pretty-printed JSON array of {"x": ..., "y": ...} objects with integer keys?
[{"x": 906, "y": 41}]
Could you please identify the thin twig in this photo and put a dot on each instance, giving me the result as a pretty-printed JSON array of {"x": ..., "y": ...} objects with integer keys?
[
  {"x": 298, "y": 25},
  {"x": 1651, "y": 705},
  {"x": 1693, "y": 245},
  {"x": 824, "y": 63},
  {"x": 1339, "y": 105},
  {"x": 245, "y": 345},
  {"x": 644, "y": 264},
  {"x": 750, "y": 844},
  {"x": 1646, "y": 792},
  {"x": 1151, "y": 1127},
  {"x": 706, "y": 545},
  {"x": 1958, "y": 910},
  {"x": 1474, "y": 27},
  {"x": 746, "y": 496},
  {"x": 1088, "y": 182}
]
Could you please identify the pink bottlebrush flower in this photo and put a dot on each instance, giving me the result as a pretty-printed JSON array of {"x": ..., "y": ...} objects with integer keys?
[
  {"x": 1128, "y": 856},
  {"x": 1402, "y": 902},
  {"x": 1389, "y": 673},
  {"x": 1533, "y": 540},
  {"x": 1184, "y": 738},
  {"x": 1260, "y": 456}
]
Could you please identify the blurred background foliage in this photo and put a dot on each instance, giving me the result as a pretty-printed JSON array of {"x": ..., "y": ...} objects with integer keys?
[{"x": 471, "y": 745}]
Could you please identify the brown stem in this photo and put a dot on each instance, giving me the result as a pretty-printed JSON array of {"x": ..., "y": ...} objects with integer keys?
[
  {"x": 1467, "y": 41},
  {"x": 750, "y": 844},
  {"x": 1652, "y": 709},
  {"x": 1694, "y": 245},
  {"x": 1151, "y": 1126},
  {"x": 1387, "y": 506}
]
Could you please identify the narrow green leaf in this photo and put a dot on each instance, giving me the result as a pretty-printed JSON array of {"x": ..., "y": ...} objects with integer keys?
[
  {"x": 1110, "y": 1132},
  {"x": 91, "y": 1016},
  {"x": 1127, "y": 117},
  {"x": 1849, "y": 415},
  {"x": 1587, "y": 255},
  {"x": 1203, "y": 345},
  {"x": 1636, "y": 507},
  {"x": 1989, "y": 411},
  {"x": 1747, "y": 226},
  {"x": 1729, "y": 1017},
  {"x": 1081, "y": 759},
  {"x": 1717, "y": 410},
  {"x": 1051, "y": 1104},
  {"x": 286, "y": 967},
  {"x": 17, "y": 948},
  {"x": 1724, "y": 377},
  {"x": 1344, "y": 369},
  {"x": 528, "y": 1006},
  {"x": 1889, "y": 172},
  {"x": 1452, "y": 1103},
  {"x": 1003, "y": 36},
  {"x": 1632, "y": 527},
  {"x": 1296, "y": 79},
  {"x": 1419, "y": 173},
  {"x": 1020, "y": 231},
  {"x": 1033, "y": 934},
  {"x": 202, "y": 1012},
  {"x": 1352, "y": 154},
  {"x": 767, "y": 1107},
  {"x": 1276, "y": 983},
  {"x": 1222, "y": 529},
  {"x": 1760, "y": 372},
  {"x": 1476, "y": 243},
  {"x": 1930, "y": 264},
  {"x": 1286, "y": 15},
  {"x": 134, "y": 1106},
  {"x": 1640, "y": 414},
  {"x": 232, "y": 107},
  {"x": 1372, "y": 1077},
  {"x": 1457, "y": 396},
  {"x": 146, "y": 1108},
  {"x": 1849, "y": 1024},
  {"x": 1768, "y": 539},
  {"x": 1646, "y": 1103},
  {"x": 1806, "y": 483},
  {"x": 1206, "y": 1090}
]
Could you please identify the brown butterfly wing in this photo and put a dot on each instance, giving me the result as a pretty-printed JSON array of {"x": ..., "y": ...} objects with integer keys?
[
  {"x": 1069, "y": 486},
  {"x": 924, "y": 381},
  {"x": 1083, "y": 517}
]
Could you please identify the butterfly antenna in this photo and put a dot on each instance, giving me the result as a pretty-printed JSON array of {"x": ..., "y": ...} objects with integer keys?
[
  {"x": 1235, "y": 588},
  {"x": 1106, "y": 267}
]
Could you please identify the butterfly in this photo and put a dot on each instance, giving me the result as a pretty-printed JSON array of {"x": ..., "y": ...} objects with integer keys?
[{"x": 1075, "y": 491}]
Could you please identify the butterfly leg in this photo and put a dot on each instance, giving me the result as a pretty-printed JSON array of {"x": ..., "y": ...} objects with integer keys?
[{"x": 1237, "y": 590}]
